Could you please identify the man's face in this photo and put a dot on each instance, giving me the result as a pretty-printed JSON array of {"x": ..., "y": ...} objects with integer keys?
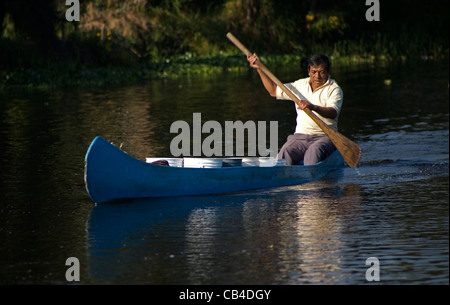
[{"x": 318, "y": 75}]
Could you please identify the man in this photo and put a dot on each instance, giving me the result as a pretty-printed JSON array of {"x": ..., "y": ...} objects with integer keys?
[{"x": 319, "y": 93}]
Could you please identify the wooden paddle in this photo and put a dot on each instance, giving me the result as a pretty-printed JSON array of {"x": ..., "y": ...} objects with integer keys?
[{"x": 350, "y": 151}]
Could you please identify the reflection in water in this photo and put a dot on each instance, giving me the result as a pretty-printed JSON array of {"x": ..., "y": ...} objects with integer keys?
[
  {"x": 319, "y": 229},
  {"x": 287, "y": 235},
  {"x": 123, "y": 118},
  {"x": 321, "y": 232},
  {"x": 200, "y": 248}
]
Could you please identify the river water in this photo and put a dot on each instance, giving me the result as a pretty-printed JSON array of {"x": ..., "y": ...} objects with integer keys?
[{"x": 393, "y": 207}]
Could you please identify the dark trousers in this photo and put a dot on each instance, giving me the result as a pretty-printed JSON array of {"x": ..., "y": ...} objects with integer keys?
[{"x": 309, "y": 148}]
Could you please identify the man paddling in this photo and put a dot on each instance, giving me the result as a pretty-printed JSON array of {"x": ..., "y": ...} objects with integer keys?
[{"x": 320, "y": 94}]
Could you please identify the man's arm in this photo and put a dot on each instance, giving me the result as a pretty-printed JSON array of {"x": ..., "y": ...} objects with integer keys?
[
  {"x": 334, "y": 103},
  {"x": 270, "y": 86},
  {"x": 326, "y": 112}
]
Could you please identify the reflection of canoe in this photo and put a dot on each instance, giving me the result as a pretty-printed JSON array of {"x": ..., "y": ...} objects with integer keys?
[{"x": 111, "y": 174}]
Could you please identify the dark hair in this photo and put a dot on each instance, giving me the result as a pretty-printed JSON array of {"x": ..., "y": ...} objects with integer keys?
[{"x": 319, "y": 59}]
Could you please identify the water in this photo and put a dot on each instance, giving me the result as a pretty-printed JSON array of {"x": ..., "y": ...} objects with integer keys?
[{"x": 394, "y": 206}]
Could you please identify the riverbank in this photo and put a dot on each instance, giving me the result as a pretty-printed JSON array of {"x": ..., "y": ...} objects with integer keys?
[{"x": 61, "y": 74}]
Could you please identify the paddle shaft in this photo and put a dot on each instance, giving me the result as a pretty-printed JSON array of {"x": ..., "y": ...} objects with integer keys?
[{"x": 351, "y": 152}]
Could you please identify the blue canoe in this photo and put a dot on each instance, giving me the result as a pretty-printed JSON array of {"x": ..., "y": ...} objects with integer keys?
[{"x": 111, "y": 174}]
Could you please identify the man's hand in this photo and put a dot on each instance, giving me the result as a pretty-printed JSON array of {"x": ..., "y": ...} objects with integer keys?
[
  {"x": 305, "y": 104},
  {"x": 253, "y": 59},
  {"x": 326, "y": 112},
  {"x": 270, "y": 86}
]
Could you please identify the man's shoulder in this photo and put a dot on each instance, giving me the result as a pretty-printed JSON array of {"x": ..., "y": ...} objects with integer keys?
[
  {"x": 301, "y": 81},
  {"x": 334, "y": 87},
  {"x": 333, "y": 83}
]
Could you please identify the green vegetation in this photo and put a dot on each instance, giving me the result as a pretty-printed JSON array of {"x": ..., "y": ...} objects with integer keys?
[{"x": 119, "y": 41}]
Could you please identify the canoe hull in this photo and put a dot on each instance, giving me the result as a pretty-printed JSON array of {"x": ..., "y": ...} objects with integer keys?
[{"x": 111, "y": 174}]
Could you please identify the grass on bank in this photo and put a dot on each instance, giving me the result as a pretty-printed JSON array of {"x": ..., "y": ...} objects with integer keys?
[{"x": 117, "y": 68}]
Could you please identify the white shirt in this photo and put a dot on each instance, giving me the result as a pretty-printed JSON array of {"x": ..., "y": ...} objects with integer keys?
[{"x": 327, "y": 95}]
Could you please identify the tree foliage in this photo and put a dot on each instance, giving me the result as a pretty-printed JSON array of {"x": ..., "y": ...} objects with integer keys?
[{"x": 122, "y": 31}]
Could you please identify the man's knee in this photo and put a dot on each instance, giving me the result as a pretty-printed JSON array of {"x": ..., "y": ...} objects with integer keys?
[
  {"x": 311, "y": 157},
  {"x": 318, "y": 151},
  {"x": 291, "y": 153}
]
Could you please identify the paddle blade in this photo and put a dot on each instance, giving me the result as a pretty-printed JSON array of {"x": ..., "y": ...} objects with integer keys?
[{"x": 350, "y": 151}]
